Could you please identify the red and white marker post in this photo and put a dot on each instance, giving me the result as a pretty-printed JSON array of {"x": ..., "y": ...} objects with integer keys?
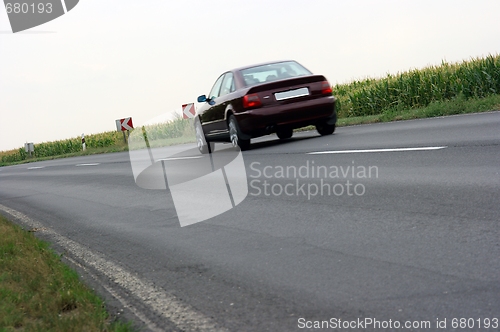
[
  {"x": 188, "y": 111},
  {"x": 123, "y": 125}
]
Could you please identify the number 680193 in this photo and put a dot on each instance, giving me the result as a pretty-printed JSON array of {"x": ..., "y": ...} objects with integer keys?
[{"x": 24, "y": 8}]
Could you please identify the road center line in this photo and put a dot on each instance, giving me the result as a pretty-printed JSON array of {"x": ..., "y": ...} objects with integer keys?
[
  {"x": 180, "y": 158},
  {"x": 157, "y": 299},
  {"x": 91, "y": 164},
  {"x": 426, "y": 148},
  {"x": 36, "y": 167}
]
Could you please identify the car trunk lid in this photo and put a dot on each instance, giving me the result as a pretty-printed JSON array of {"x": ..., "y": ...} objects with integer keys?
[{"x": 291, "y": 90}]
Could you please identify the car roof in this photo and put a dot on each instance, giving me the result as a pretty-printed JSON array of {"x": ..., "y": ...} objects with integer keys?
[{"x": 260, "y": 64}]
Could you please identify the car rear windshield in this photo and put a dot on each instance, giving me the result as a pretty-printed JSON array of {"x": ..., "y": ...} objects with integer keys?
[{"x": 272, "y": 72}]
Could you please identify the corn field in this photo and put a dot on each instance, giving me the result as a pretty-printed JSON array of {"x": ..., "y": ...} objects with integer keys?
[
  {"x": 157, "y": 133},
  {"x": 67, "y": 146},
  {"x": 173, "y": 129},
  {"x": 175, "y": 132},
  {"x": 476, "y": 78}
]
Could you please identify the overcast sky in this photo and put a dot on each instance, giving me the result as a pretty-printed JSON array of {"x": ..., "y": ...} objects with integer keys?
[{"x": 106, "y": 60}]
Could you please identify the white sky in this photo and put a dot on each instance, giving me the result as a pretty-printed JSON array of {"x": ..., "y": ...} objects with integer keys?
[{"x": 106, "y": 60}]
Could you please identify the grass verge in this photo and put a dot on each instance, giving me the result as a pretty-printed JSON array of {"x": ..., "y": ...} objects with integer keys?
[
  {"x": 40, "y": 293},
  {"x": 455, "y": 106},
  {"x": 87, "y": 152}
]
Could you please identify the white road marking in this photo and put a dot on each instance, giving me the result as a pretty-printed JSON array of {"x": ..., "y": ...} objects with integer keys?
[
  {"x": 157, "y": 299},
  {"x": 36, "y": 167},
  {"x": 91, "y": 164},
  {"x": 427, "y": 148},
  {"x": 181, "y": 158}
]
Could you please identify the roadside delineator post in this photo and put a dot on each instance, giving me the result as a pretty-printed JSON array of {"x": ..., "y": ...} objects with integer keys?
[
  {"x": 83, "y": 142},
  {"x": 29, "y": 148}
]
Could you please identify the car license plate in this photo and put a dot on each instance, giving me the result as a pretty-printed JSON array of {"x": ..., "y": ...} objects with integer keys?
[{"x": 291, "y": 94}]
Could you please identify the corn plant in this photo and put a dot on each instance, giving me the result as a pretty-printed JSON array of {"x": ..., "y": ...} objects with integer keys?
[{"x": 476, "y": 78}]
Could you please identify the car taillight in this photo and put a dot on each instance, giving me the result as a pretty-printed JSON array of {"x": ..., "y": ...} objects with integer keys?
[
  {"x": 326, "y": 88},
  {"x": 251, "y": 101}
]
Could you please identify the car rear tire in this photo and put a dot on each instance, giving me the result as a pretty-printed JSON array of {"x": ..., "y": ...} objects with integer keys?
[
  {"x": 284, "y": 133},
  {"x": 235, "y": 135},
  {"x": 325, "y": 129},
  {"x": 201, "y": 141}
]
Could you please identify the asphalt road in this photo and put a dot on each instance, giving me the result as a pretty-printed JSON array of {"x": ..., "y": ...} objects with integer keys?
[{"x": 409, "y": 235}]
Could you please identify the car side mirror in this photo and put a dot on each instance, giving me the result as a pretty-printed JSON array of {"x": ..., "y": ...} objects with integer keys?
[{"x": 202, "y": 99}]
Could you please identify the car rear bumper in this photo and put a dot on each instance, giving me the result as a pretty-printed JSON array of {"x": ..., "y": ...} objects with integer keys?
[{"x": 265, "y": 120}]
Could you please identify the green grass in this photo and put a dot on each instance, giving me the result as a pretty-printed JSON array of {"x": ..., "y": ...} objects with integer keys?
[
  {"x": 440, "y": 108},
  {"x": 97, "y": 143},
  {"x": 178, "y": 131},
  {"x": 458, "y": 105},
  {"x": 39, "y": 293}
]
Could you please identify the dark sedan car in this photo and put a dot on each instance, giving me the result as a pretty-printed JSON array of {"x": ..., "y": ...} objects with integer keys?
[{"x": 253, "y": 101}]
